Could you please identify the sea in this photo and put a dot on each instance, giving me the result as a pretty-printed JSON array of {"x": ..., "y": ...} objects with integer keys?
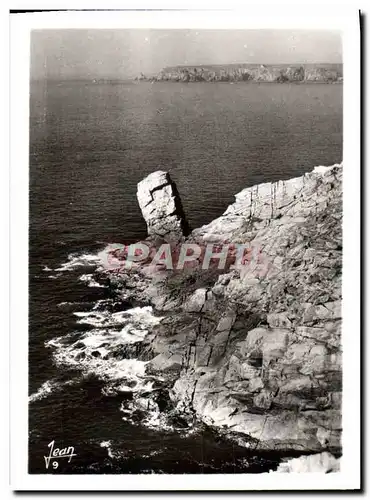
[{"x": 90, "y": 144}]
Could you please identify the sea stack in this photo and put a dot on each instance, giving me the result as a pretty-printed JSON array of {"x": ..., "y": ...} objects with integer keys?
[{"x": 161, "y": 207}]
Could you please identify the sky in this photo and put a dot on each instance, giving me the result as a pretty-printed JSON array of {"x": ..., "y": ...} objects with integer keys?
[{"x": 66, "y": 54}]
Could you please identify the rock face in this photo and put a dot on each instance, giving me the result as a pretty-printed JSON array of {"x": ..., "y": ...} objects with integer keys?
[
  {"x": 257, "y": 350},
  {"x": 161, "y": 207},
  {"x": 250, "y": 72},
  {"x": 320, "y": 462}
]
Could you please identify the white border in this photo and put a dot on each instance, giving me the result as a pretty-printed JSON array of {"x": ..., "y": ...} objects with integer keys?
[{"x": 343, "y": 19}]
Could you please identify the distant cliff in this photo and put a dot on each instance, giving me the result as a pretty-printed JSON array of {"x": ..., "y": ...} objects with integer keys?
[{"x": 326, "y": 73}]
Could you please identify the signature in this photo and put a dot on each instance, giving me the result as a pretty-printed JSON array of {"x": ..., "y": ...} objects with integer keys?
[{"x": 56, "y": 453}]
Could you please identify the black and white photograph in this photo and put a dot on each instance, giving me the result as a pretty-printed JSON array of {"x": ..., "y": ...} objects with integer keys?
[{"x": 186, "y": 307}]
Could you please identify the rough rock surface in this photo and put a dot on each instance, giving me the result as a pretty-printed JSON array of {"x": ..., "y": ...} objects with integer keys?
[
  {"x": 320, "y": 462},
  {"x": 161, "y": 206},
  {"x": 256, "y": 351},
  {"x": 281, "y": 73}
]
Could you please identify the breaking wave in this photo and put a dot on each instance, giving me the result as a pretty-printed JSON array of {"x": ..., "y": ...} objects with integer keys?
[
  {"x": 90, "y": 281},
  {"x": 101, "y": 350},
  {"x": 47, "y": 388},
  {"x": 109, "y": 349},
  {"x": 79, "y": 260},
  {"x": 112, "y": 346}
]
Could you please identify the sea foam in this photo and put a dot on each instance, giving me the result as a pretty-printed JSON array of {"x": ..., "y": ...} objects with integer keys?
[
  {"x": 79, "y": 260},
  {"x": 99, "y": 350},
  {"x": 47, "y": 388}
]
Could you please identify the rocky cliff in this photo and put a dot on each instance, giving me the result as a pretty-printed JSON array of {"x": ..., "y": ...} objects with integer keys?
[
  {"x": 161, "y": 207},
  {"x": 325, "y": 73},
  {"x": 255, "y": 350}
]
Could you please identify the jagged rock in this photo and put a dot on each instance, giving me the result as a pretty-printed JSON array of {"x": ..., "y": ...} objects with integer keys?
[
  {"x": 165, "y": 362},
  {"x": 254, "y": 72},
  {"x": 293, "y": 198},
  {"x": 226, "y": 322},
  {"x": 279, "y": 320},
  {"x": 196, "y": 301},
  {"x": 259, "y": 352},
  {"x": 161, "y": 207},
  {"x": 320, "y": 462}
]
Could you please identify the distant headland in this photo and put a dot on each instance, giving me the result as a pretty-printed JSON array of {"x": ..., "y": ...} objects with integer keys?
[{"x": 273, "y": 73}]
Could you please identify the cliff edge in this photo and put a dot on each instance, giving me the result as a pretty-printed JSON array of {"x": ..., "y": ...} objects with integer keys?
[
  {"x": 255, "y": 350},
  {"x": 319, "y": 73}
]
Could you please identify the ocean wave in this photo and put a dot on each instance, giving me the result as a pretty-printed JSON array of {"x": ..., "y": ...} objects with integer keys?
[
  {"x": 91, "y": 282},
  {"x": 48, "y": 388},
  {"x": 109, "y": 351},
  {"x": 152, "y": 417},
  {"x": 79, "y": 260},
  {"x": 95, "y": 353},
  {"x": 108, "y": 446},
  {"x": 137, "y": 318},
  {"x": 100, "y": 350},
  {"x": 146, "y": 409},
  {"x": 114, "y": 453}
]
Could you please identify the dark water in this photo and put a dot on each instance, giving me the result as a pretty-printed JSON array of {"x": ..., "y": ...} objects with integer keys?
[{"x": 90, "y": 145}]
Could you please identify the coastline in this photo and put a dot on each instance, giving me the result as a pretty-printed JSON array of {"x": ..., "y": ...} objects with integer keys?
[
  {"x": 249, "y": 82},
  {"x": 256, "y": 355},
  {"x": 231, "y": 73}
]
